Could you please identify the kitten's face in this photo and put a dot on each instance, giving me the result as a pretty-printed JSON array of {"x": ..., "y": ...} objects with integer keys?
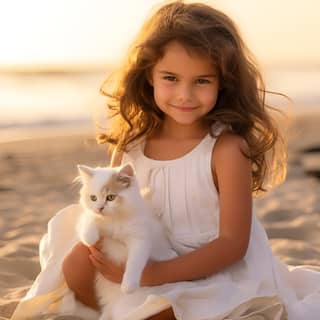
[{"x": 104, "y": 190}]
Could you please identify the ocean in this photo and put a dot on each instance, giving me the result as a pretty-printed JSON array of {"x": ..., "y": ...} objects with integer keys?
[
  {"x": 49, "y": 103},
  {"x": 36, "y": 104}
]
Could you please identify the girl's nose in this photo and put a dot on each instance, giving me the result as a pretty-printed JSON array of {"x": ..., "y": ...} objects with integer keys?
[{"x": 184, "y": 93}]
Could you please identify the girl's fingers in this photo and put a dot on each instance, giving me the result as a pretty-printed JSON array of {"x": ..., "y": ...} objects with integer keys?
[
  {"x": 97, "y": 254},
  {"x": 111, "y": 272},
  {"x": 93, "y": 249},
  {"x": 96, "y": 263},
  {"x": 98, "y": 244}
]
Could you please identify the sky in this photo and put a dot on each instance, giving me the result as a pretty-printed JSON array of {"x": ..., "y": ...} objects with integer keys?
[{"x": 66, "y": 33}]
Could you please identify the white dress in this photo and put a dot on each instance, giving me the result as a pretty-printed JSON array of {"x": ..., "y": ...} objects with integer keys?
[{"x": 186, "y": 200}]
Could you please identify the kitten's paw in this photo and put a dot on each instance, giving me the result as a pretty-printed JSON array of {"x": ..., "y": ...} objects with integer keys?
[
  {"x": 129, "y": 286},
  {"x": 89, "y": 238}
]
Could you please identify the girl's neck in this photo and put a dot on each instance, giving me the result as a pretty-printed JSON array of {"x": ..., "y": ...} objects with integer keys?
[{"x": 181, "y": 132}]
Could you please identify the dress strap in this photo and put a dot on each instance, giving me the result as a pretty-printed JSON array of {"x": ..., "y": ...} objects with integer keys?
[{"x": 218, "y": 127}]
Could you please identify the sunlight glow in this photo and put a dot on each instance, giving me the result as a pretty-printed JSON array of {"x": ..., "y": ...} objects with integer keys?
[{"x": 97, "y": 32}]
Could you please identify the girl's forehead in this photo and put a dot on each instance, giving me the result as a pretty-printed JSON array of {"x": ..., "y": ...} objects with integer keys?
[{"x": 176, "y": 56}]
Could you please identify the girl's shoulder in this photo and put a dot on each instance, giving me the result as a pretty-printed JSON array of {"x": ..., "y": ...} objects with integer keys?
[
  {"x": 230, "y": 160},
  {"x": 230, "y": 150},
  {"x": 231, "y": 142}
]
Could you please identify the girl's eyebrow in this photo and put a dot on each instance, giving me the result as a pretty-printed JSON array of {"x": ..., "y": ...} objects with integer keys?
[{"x": 200, "y": 76}]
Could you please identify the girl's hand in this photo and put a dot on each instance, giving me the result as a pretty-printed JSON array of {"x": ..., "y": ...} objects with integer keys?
[
  {"x": 114, "y": 272},
  {"x": 105, "y": 266}
]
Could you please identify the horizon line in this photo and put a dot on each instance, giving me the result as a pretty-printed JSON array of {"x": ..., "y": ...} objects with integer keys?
[{"x": 105, "y": 67}]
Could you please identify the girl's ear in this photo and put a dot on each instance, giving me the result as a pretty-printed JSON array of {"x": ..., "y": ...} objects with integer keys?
[{"x": 85, "y": 171}]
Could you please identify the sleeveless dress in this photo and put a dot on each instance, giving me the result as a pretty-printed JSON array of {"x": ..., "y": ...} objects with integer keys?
[{"x": 259, "y": 287}]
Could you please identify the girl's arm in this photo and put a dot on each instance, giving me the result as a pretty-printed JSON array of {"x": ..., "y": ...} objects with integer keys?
[{"x": 232, "y": 171}]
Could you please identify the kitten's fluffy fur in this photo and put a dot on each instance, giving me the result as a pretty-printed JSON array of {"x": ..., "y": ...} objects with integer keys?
[{"x": 114, "y": 209}]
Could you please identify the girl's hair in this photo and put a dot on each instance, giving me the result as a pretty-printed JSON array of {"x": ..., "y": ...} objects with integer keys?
[{"x": 241, "y": 100}]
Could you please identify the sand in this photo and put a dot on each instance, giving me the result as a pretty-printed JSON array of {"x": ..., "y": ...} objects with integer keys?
[{"x": 36, "y": 181}]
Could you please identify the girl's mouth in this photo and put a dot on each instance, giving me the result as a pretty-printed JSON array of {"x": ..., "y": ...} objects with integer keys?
[{"x": 184, "y": 108}]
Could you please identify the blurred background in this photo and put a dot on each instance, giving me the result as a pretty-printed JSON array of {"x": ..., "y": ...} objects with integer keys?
[{"x": 55, "y": 54}]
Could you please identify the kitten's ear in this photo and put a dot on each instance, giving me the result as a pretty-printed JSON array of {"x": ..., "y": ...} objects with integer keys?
[
  {"x": 127, "y": 170},
  {"x": 126, "y": 174},
  {"x": 85, "y": 171}
]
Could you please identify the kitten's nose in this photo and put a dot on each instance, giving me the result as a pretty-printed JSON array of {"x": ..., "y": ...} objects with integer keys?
[{"x": 100, "y": 209}]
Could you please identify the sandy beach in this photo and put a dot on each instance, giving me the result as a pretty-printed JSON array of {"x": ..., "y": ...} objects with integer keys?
[{"x": 36, "y": 182}]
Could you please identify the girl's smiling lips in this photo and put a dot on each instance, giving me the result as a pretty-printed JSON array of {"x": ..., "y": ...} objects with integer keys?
[{"x": 184, "y": 108}]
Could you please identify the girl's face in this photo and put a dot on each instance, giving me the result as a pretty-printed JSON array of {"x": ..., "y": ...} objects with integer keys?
[{"x": 185, "y": 84}]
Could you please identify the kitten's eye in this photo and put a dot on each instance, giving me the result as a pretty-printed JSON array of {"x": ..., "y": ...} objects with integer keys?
[
  {"x": 110, "y": 197},
  {"x": 93, "y": 197}
]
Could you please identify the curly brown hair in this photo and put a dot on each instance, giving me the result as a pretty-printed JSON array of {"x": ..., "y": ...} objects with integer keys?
[{"x": 241, "y": 100}]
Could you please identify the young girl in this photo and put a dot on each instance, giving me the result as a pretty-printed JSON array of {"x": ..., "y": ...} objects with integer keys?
[{"x": 189, "y": 114}]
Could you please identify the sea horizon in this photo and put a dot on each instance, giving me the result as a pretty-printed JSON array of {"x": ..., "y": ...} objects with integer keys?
[{"x": 57, "y": 102}]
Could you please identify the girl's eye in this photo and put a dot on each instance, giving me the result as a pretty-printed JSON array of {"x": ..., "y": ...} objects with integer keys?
[
  {"x": 110, "y": 197},
  {"x": 202, "y": 81},
  {"x": 93, "y": 197},
  {"x": 170, "y": 78}
]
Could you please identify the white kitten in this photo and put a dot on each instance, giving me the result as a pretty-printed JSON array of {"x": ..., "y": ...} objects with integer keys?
[{"x": 115, "y": 210}]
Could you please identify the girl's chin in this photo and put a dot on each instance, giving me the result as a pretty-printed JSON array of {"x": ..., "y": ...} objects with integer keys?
[{"x": 185, "y": 121}]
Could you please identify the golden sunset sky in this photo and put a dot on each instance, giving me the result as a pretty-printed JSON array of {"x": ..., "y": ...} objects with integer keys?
[{"x": 91, "y": 33}]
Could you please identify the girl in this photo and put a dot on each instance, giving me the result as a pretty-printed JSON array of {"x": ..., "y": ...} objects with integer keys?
[{"x": 189, "y": 113}]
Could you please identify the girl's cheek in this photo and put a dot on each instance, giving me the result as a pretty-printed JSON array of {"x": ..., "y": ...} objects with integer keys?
[
  {"x": 209, "y": 95},
  {"x": 165, "y": 85},
  {"x": 164, "y": 89}
]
